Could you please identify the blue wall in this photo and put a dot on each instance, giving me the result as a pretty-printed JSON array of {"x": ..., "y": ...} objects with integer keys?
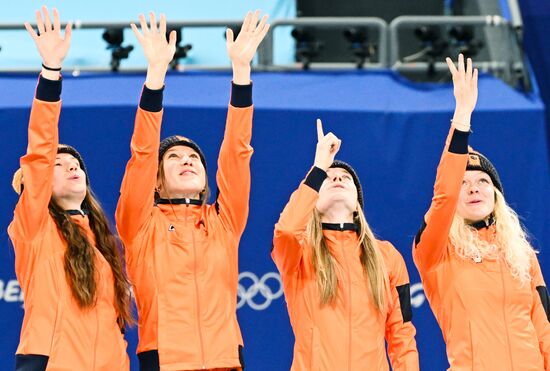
[
  {"x": 536, "y": 25},
  {"x": 392, "y": 132}
]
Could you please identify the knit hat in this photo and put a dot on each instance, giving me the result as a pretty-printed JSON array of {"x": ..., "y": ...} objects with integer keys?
[
  {"x": 349, "y": 169},
  {"x": 18, "y": 184},
  {"x": 476, "y": 161},
  {"x": 178, "y": 140}
]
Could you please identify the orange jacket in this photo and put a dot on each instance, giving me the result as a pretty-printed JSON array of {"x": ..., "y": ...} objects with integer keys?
[
  {"x": 54, "y": 325},
  {"x": 182, "y": 258},
  {"x": 488, "y": 319},
  {"x": 349, "y": 334}
]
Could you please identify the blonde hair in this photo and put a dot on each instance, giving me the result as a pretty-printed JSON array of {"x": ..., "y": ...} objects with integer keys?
[
  {"x": 324, "y": 265},
  {"x": 511, "y": 241}
]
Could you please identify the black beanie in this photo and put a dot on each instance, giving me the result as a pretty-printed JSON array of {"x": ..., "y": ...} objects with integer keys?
[
  {"x": 349, "y": 169},
  {"x": 476, "y": 161},
  {"x": 65, "y": 148},
  {"x": 178, "y": 140}
]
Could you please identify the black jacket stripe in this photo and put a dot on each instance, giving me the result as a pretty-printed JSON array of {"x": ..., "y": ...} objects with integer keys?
[
  {"x": 31, "y": 362},
  {"x": 149, "y": 360},
  {"x": 404, "y": 292},
  {"x": 419, "y": 233},
  {"x": 545, "y": 299}
]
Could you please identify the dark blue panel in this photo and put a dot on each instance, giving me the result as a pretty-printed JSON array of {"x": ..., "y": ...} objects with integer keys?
[{"x": 392, "y": 132}]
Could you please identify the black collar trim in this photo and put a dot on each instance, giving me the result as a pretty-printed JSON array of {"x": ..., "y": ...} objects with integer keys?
[
  {"x": 340, "y": 226},
  {"x": 78, "y": 212},
  {"x": 177, "y": 201},
  {"x": 484, "y": 223}
]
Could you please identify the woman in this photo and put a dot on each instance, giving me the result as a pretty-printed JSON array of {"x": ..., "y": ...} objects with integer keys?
[
  {"x": 67, "y": 260},
  {"x": 479, "y": 272},
  {"x": 182, "y": 252},
  {"x": 345, "y": 290}
]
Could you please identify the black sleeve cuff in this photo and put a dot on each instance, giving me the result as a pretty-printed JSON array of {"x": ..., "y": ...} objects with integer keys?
[
  {"x": 241, "y": 95},
  {"x": 151, "y": 100},
  {"x": 48, "y": 90},
  {"x": 459, "y": 142},
  {"x": 315, "y": 178}
]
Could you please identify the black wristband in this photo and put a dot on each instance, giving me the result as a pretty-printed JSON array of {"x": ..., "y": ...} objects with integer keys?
[
  {"x": 459, "y": 142},
  {"x": 241, "y": 95},
  {"x": 50, "y": 68},
  {"x": 48, "y": 90},
  {"x": 151, "y": 99},
  {"x": 315, "y": 178}
]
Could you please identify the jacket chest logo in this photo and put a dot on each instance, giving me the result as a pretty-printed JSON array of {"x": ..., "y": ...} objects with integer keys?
[{"x": 171, "y": 228}]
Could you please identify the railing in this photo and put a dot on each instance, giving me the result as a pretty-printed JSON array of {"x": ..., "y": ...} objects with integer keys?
[
  {"x": 504, "y": 58},
  {"x": 265, "y": 54}
]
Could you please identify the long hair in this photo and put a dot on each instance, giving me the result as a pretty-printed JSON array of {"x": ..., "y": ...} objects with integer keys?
[
  {"x": 511, "y": 240},
  {"x": 204, "y": 195},
  {"x": 80, "y": 270},
  {"x": 324, "y": 264}
]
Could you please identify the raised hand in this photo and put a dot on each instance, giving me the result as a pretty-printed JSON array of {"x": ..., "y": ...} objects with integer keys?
[
  {"x": 51, "y": 45},
  {"x": 327, "y": 147},
  {"x": 158, "y": 50},
  {"x": 465, "y": 91},
  {"x": 242, "y": 50}
]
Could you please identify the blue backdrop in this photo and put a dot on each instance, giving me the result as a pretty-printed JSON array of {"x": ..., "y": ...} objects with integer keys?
[{"x": 392, "y": 131}]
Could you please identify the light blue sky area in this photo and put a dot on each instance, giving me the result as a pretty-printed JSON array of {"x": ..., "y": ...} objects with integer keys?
[{"x": 89, "y": 49}]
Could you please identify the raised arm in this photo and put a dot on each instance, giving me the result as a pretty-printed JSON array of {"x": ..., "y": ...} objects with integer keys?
[
  {"x": 138, "y": 186},
  {"x": 233, "y": 176},
  {"x": 431, "y": 241},
  {"x": 38, "y": 163},
  {"x": 289, "y": 236}
]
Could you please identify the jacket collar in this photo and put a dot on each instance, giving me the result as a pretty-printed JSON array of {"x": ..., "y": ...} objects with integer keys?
[
  {"x": 340, "y": 227},
  {"x": 485, "y": 223},
  {"x": 177, "y": 201},
  {"x": 82, "y": 212}
]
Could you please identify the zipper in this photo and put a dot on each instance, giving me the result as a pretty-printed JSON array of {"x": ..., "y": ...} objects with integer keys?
[
  {"x": 96, "y": 331},
  {"x": 504, "y": 314},
  {"x": 196, "y": 286},
  {"x": 95, "y": 341},
  {"x": 349, "y": 298}
]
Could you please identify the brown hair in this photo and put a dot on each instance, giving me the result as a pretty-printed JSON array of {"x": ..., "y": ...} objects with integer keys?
[
  {"x": 79, "y": 264},
  {"x": 323, "y": 261}
]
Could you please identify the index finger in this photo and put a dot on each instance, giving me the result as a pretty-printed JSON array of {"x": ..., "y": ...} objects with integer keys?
[
  {"x": 143, "y": 23},
  {"x": 320, "y": 134}
]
